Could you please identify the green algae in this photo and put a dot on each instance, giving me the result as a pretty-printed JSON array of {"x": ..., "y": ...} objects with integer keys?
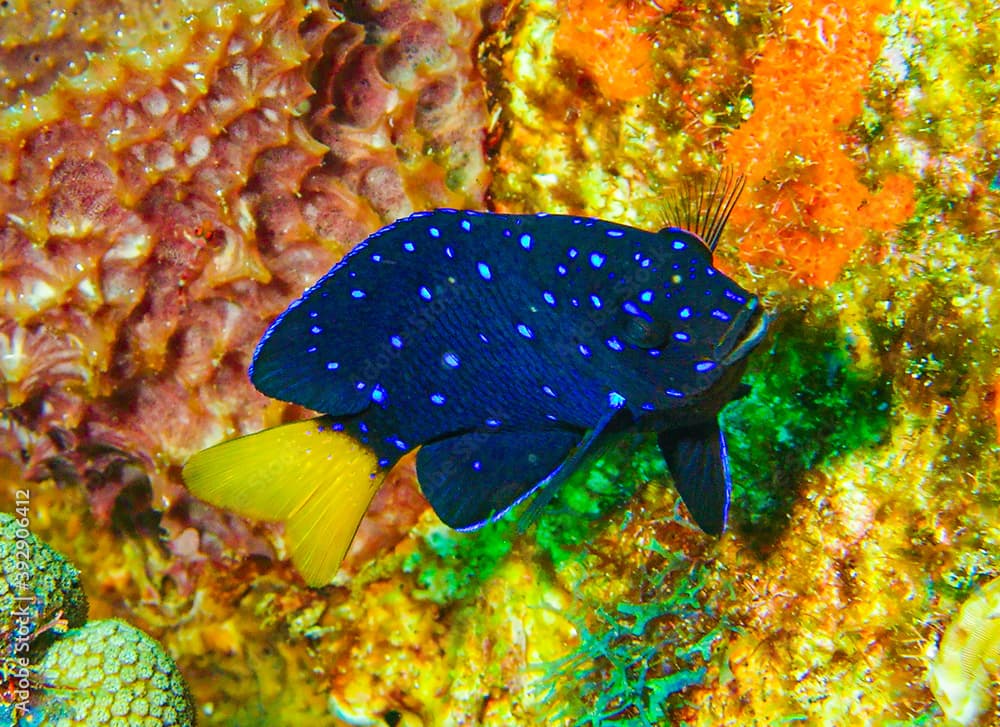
[
  {"x": 581, "y": 507},
  {"x": 809, "y": 403},
  {"x": 452, "y": 565}
]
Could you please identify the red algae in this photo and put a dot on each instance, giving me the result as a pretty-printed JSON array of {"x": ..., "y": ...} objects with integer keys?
[{"x": 806, "y": 209}]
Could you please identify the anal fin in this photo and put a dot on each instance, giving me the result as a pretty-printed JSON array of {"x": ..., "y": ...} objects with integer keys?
[{"x": 318, "y": 481}]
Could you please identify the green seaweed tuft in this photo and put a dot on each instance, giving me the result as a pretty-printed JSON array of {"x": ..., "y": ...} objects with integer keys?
[{"x": 636, "y": 659}]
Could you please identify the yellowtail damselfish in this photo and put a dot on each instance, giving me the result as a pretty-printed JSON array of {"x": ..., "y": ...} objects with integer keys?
[{"x": 505, "y": 347}]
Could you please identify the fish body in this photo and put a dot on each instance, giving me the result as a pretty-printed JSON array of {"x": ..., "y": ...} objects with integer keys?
[{"x": 505, "y": 347}]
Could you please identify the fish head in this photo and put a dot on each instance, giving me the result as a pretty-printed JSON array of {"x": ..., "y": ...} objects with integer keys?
[{"x": 687, "y": 327}]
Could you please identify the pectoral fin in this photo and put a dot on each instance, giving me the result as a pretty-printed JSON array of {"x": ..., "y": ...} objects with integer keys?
[{"x": 697, "y": 460}]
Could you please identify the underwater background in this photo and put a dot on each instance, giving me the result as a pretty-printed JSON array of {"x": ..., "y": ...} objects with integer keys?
[{"x": 174, "y": 173}]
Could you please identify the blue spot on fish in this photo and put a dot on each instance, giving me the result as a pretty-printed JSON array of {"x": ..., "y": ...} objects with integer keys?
[
  {"x": 396, "y": 341},
  {"x": 434, "y": 232},
  {"x": 408, "y": 246},
  {"x": 356, "y": 293},
  {"x": 549, "y": 298},
  {"x": 525, "y": 331},
  {"x": 526, "y": 241},
  {"x": 597, "y": 259},
  {"x": 484, "y": 271},
  {"x": 438, "y": 399},
  {"x": 425, "y": 293},
  {"x": 450, "y": 360},
  {"x": 466, "y": 225},
  {"x": 703, "y": 366}
]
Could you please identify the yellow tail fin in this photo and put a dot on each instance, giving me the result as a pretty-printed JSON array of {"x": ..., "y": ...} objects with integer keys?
[{"x": 317, "y": 481}]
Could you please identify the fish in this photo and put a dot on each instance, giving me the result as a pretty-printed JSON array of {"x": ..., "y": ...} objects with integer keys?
[{"x": 505, "y": 350}]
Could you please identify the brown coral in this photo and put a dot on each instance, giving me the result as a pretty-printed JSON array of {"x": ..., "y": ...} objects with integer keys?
[{"x": 172, "y": 186}]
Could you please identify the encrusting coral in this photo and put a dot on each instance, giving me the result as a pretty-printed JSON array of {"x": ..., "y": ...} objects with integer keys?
[
  {"x": 62, "y": 670},
  {"x": 110, "y": 673}
]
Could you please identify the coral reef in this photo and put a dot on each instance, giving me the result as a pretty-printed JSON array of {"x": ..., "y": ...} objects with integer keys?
[
  {"x": 110, "y": 673},
  {"x": 61, "y": 669},
  {"x": 173, "y": 174},
  {"x": 168, "y": 188}
]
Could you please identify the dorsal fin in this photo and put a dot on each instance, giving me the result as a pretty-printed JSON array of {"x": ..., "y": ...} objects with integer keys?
[{"x": 704, "y": 209}]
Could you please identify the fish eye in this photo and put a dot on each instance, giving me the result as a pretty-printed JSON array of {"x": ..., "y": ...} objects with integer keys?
[{"x": 641, "y": 331}]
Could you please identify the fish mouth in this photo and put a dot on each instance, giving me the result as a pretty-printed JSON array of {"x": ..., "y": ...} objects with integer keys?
[{"x": 744, "y": 334}]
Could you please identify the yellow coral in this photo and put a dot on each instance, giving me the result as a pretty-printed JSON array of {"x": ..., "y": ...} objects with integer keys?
[{"x": 963, "y": 673}]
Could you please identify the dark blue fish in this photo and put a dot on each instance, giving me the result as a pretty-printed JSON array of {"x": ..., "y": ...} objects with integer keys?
[{"x": 507, "y": 347}]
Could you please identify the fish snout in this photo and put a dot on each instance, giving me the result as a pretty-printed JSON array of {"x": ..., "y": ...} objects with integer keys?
[{"x": 744, "y": 334}]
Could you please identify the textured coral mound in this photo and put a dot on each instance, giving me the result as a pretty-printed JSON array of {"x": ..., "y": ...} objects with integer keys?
[
  {"x": 171, "y": 185},
  {"x": 110, "y": 673},
  {"x": 36, "y": 579},
  {"x": 96, "y": 673}
]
